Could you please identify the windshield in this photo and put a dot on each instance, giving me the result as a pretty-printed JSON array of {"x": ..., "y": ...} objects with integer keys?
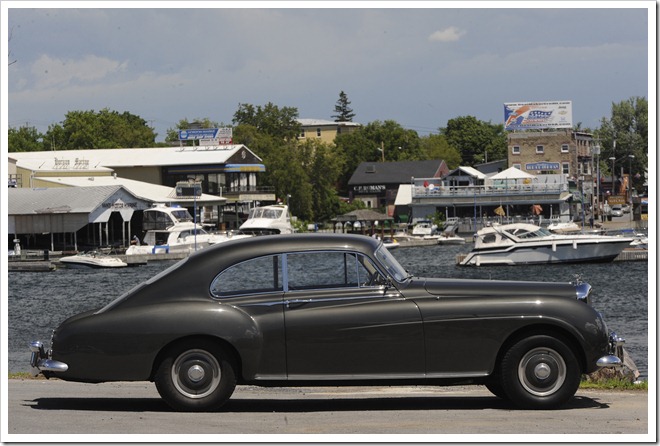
[{"x": 394, "y": 269}]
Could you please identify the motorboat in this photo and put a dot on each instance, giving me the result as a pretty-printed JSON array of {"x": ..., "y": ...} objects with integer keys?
[
  {"x": 447, "y": 238},
  {"x": 390, "y": 243},
  {"x": 265, "y": 220},
  {"x": 524, "y": 244},
  {"x": 92, "y": 260},
  {"x": 425, "y": 228},
  {"x": 172, "y": 229}
]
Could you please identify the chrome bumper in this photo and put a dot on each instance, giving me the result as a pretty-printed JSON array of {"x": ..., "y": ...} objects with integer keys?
[
  {"x": 615, "y": 350},
  {"x": 41, "y": 362}
]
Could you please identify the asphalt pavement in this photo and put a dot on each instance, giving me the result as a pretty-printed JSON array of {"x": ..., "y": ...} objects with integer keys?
[{"x": 54, "y": 410}]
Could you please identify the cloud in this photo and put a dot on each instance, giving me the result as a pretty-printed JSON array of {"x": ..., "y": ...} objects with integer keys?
[
  {"x": 53, "y": 72},
  {"x": 451, "y": 34}
]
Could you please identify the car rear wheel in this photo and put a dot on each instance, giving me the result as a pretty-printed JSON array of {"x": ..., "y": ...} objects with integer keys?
[
  {"x": 196, "y": 376},
  {"x": 540, "y": 372}
]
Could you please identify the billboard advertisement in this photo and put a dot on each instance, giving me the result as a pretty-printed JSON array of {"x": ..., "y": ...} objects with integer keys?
[{"x": 538, "y": 115}]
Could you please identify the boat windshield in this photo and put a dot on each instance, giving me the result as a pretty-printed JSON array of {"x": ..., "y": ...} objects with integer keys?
[
  {"x": 272, "y": 214},
  {"x": 182, "y": 215},
  {"x": 391, "y": 265},
  {"x": 527, "y": 234}
]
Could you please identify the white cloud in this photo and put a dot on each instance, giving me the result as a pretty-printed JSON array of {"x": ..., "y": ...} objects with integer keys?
[
  {"x": 451, "y": 34},
  {"x": 54, "y": 72}
]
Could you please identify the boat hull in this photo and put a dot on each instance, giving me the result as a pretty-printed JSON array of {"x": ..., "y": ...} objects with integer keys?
[{"x": 557, "y": 252}]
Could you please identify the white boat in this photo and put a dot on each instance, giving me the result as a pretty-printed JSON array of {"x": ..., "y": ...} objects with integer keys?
[
  {"x": 447, "y": 238},
  {"x": 523, "y": 243},
  {"x": 92, "y": 260},
  {"x": 267, "y": 220},
  {"x": 171, "y": 229},
  {"x": 390, "y": 243},
  {"x": 425, "y": 229}
]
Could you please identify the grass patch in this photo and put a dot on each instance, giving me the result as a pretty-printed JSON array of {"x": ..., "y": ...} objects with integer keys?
[
  {"x": 614, "y": 383},
  {"x": 25, "y": 375}
]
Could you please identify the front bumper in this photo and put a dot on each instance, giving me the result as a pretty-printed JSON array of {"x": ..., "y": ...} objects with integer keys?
[
  {"x": 614, "y": 358},
  {"x": 40, "y": 360}
]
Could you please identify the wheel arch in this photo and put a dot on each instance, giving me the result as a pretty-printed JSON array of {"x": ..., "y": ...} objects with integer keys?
[
  {"x": 563, "y": 334},
  {"x": 235, "y": 358}
]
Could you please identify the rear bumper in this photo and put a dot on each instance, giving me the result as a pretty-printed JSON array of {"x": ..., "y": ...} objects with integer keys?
[
  {"x": 40, "y": 360},
  {"x": 614, "y": 358}
]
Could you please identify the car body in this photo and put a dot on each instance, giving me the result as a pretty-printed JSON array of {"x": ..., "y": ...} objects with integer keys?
[
  {"x": 331, "y": 309},
  {"x": 617, "y": 210},
  {"x": 626, "y": 208}
]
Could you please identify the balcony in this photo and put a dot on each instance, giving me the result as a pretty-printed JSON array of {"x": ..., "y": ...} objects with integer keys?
[
  {"x": 249, "y": 193},
  {"x": 491, "y": 194}
]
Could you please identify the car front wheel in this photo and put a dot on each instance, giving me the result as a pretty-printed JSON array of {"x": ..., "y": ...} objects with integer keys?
[
  {"x": 196, "y": 376},
  {"x": 540, "y": 372}
]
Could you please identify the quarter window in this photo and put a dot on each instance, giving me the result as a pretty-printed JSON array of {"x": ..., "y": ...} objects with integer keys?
[{"x": 260, "y": 275}]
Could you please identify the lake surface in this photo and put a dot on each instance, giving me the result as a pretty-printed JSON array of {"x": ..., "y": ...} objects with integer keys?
[{"x": 38, "y": 302}]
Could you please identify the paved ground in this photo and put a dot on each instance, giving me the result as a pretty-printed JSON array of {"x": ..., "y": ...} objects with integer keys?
[{"x": 58, "y": 407}]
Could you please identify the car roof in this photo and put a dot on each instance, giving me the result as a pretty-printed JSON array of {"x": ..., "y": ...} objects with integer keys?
[{"x": 246, "y": 248}]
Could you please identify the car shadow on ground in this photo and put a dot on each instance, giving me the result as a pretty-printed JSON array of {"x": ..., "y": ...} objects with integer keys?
[{"x": 300, "y": 405}]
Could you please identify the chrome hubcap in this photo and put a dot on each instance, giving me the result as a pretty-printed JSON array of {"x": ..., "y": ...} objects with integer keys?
[
  {"x": 196, "y": 373},
  {"x": 542, "y": 371}
]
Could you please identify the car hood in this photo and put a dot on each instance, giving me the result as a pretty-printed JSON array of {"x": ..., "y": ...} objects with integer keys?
[{"x": 481, "y": 288}]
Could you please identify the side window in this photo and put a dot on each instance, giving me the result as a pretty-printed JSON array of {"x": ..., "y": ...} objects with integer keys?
[
  {"x": 260, "y": 275},
  {"x": 314, "y": 270}
]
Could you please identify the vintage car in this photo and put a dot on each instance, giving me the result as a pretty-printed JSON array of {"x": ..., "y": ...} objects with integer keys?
[{"x": 331, "y": 309}]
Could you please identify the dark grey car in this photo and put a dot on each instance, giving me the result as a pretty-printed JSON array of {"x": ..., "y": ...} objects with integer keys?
[{"x": 326, "y": 309}]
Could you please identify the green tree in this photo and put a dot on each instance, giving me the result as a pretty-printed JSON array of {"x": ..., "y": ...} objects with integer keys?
[
  {"x": 628, "y": 126},
  {"x": 436, "y": 147},
  {"x": 103, "y": 130},
  {"x": 324, "y": 166},
  {"x": 24, "y": 139},
  {"x": 269, "y": 119},
  {"x": 344, "y": 113},
  {"x": 476, "y": 140}
]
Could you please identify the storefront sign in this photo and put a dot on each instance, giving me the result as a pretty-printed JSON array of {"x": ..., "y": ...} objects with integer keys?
[{"x": 369, "y": 189}]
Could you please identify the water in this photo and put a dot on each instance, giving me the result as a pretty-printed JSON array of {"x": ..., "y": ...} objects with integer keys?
[{"x": 38, "y": 302}]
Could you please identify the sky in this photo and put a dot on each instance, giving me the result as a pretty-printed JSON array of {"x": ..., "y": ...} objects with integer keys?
[{"x": 412, "y": 62}]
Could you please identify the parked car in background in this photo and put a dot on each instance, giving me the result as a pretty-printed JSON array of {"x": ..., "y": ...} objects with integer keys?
[
  {"x": 625, "y": 208},
  {"x": 617, "y": 210},
  {"x": 331, "y": 309}
]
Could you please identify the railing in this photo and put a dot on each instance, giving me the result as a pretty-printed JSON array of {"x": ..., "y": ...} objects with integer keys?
[
  {"x": 469, "y": 191},
  {"x": 243, "y": 189}
]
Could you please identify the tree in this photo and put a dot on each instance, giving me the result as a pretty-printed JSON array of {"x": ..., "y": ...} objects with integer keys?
[
  {"x": 281, "y": 123},
  {"x": 103, "y": 130},
  {"x": 476, "y": 140},
  {"x": 24, "y": 139},
  {"x": 435, "y": 147},
  {"x": 628, "y": 126},
  {"x": 344, "y": 113}
]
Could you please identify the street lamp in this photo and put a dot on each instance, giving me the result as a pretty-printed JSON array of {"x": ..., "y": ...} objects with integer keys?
[
  {"x": 630, "y": 158},
  {"x": 613, "y": 159}
]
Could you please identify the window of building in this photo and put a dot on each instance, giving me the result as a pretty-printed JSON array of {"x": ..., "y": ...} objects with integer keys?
[
  {"x": 515, "y": 150},
  {"x": 517, "y": 166},
  {"x": 566, "y": 168},
  {"x": 564, "y": 148},
  {"x": 318, "y": 131},
  {"x": 302, "y": 133},
  {"x": 539, "y": 149}
]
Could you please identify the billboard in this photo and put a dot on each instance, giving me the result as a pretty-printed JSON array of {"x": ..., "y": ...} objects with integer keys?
[{"x": 538, "y": 115}]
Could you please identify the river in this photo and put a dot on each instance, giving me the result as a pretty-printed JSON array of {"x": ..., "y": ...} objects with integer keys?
[{"x": 38, "y": 302}]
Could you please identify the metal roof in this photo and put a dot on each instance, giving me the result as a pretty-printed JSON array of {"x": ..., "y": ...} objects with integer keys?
[
  {"x": 147, "y": 157},
  {"x": 24, "y": 201},
  {"x": 153, "y": 193},
  {"x": 394, "y": 172}
]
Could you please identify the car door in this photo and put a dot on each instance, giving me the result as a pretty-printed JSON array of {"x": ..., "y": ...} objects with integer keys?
[{"x": 343, "y": 321}]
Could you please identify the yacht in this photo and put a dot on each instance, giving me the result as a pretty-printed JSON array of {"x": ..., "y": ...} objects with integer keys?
[
  {"x": 172, "y": 229},
  {"x": 265, "y": 220},
  {"x": 524, "y": 244}
]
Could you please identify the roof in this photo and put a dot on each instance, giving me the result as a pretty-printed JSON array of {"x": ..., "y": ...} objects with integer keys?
[
  {"x": 24, "y": 201},
  {"x": 147, "y": 191},
  {"x": 323, "y": 122},
  {"x": 362, "y": 215},
  {"x": 471, "y": 171},
  {"x": 511, "y": 173},
  {"x": 395, "y": 172},
  {"x": 147, "y": 157}
]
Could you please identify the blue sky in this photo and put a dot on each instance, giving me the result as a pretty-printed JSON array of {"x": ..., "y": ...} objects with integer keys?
[{"x": 419, "y": 66}]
